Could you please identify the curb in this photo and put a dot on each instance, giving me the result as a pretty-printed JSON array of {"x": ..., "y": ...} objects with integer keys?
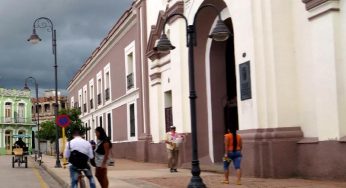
[{"x": 54, "y": 175}]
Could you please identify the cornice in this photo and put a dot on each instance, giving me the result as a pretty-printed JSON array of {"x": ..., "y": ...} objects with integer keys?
[
  {"x": 156, "y": 30},
  {"x": 310, "y": 4},
  {"x": 318, "y": 8}
]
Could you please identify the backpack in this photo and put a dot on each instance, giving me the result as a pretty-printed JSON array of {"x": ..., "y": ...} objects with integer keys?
[{"x": 78, "y": 159}]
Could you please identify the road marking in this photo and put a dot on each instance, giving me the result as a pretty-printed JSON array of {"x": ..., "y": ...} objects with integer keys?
[{"x": 39, "y": 177}]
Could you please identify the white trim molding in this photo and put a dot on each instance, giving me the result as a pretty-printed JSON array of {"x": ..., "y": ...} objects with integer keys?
[
  {"x": 92, "y": 94},
  {"x": 111, "y": 126},
  {"x": 130, "y": 50},
  {"x": 129, "y": 137},
  {"x": 85, "y": 99},
  {"x": 107, "y": 70},
  {"x": 12, "y": 108},
  {"x": 123, "y": 100},
  {"x": 99, "y": 89},
  {"x": 80, "y": 98},
  {"x": 72, "y": 102}
]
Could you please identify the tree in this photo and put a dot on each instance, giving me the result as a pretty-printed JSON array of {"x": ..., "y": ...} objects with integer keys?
[
  {"x": 47, "y": 131},
  {"x": 76, "y": 123}
]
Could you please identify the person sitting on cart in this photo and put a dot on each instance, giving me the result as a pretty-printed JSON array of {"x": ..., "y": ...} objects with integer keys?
[{"x": 19, "y": 143}]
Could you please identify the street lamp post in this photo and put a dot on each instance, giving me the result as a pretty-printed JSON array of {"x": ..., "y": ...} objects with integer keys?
[
  {"x": 44, "y": 22},
  {"x": 26, "y": 88},
  {"x": 219, "y": 33}
]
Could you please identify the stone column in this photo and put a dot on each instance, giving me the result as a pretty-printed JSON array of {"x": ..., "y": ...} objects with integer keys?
[{"x": 328, "y": 69}]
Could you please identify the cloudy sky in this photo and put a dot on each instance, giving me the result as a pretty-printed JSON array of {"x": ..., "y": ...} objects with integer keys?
[{"x": 80, "y": 27}]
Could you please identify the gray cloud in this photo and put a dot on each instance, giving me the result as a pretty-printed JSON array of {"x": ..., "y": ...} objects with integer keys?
[{"x": 81, "y": 25}]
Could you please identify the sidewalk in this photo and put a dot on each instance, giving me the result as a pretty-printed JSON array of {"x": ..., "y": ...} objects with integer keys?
[{"x": 131, "y": 174}]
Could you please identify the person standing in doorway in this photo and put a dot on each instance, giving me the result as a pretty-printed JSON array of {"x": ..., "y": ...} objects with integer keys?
[
  {"x": 172, "y": 140},
  {"x": 102, "y": 151},
  {"x": 233, "y": 147}
]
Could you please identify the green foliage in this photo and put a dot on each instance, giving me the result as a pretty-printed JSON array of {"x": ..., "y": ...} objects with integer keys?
[
  {"x": 47, "y": 131},
  {"x": 76, "y": 123}
]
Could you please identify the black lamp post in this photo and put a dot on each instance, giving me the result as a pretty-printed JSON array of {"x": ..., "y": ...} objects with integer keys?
[
  {"x": 26, "y": 88},
  {"x": 220, "y": 33},
  {"x": 44, "y": 22}
]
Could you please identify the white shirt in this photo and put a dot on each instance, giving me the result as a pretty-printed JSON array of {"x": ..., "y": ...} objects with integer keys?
[{"x": 80, "y": 145}]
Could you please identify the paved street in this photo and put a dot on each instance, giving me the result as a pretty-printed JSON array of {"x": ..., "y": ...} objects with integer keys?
[
  {"x": 131, "y": 174},
  {"x": 20, "y": 177}
]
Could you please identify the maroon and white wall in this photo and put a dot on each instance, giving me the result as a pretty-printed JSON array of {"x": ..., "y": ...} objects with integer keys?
[{"x": 109, "y": 86}]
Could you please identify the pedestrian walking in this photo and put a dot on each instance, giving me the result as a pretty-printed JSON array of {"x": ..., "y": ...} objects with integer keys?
[
  {"x": 233, "y": 147},
  {"x": 78, "y": 152},
  {"x": 102, "y": 151},
  {"x": 173, "y": 140}
]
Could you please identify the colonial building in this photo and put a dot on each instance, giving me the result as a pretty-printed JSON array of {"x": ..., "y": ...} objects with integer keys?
[
  {"x": 282, "y": 68},
  {"x": 110, "y": 86},
  {"x": 284, "y": 65},
  {"x": 15, "y": 118},
  {"x": 46, "y": 112},
  {"x": 46, "y": 105}
]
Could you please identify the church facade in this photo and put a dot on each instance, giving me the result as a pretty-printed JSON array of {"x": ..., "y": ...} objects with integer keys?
[{"x": 282, "y": 70}]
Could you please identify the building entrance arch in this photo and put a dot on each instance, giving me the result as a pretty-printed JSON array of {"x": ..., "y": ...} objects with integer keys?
[{"x": 222, "y": 92}]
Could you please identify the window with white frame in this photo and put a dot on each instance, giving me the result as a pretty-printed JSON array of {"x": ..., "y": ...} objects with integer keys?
[
  {"x": 88, "y": 131},
  {"x": 100, "y": 122},
  {"x": 107, "y": 82},
  {"x": 91, "y": 94},
  {"x": 99, "y": 88},
  {"x": 8, "y": 112},
  {"x": 92, "y": 128},
  {"x": 86, "y": 128},
  {"x": 109, "y": 125},
  {"x": 130, "y": 66},
  {"x": 21, "y": 113},
  {"x": 80, "y": 100},
  {"x": 131, "y": 121},
  {"x": 72, "y": 102},
  {"x": 85, "y": 99}
]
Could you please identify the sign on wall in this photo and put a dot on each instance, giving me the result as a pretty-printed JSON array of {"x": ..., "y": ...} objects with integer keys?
[{"x": 245, "y": 81}]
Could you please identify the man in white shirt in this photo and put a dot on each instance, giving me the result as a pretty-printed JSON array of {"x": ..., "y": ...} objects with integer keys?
[
  {"x": 172, "y": 146},
  {"x": 83, "y": 148}
]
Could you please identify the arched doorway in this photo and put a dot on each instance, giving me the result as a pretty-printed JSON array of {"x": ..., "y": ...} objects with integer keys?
[
  {"x": 8, "y": 141},
  {"x": 223, "y": 90},
  {"x": 215, "y": 83}
]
